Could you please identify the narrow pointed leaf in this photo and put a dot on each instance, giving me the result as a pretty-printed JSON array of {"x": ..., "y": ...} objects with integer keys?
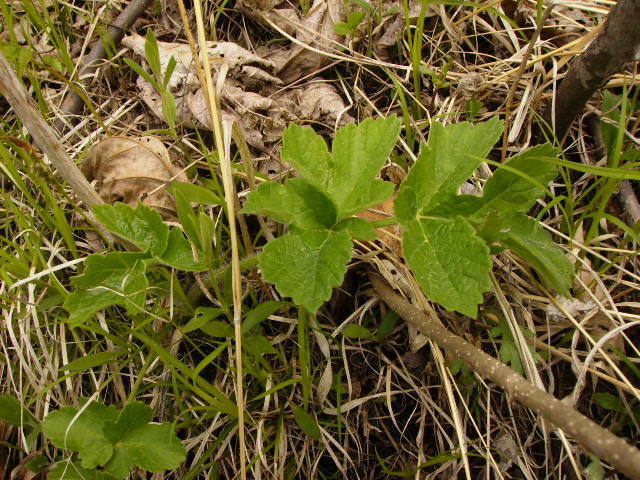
[{"x": 180, "y": 255}]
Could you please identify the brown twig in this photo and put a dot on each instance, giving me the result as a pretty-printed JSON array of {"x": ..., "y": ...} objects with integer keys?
[
  {"x": 46, "y": 138},
  {"x": 72, "y": 103},
  {"x": 589, "y": 434}
]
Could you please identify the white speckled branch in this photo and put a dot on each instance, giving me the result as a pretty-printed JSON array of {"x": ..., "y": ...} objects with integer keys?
[{"x": 589, "y": 434}]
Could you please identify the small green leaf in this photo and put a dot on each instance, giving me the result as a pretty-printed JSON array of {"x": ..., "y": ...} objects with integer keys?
[
  {"x": 117, "y": 278},
  {"x": 82, "y": 432},
  {"x": 169, "y": 108},
  {"x": 307, "y": 152},
  {"x": 387, "y": 324},
  {"x": 70, "y": 470},
  {"x": 307, "y": 265},
  {"x": 507, "y": 191},
  {"x": 608, "y": 401},
  {"x": 37, "y": 463},
  {"x": 356, "y": 331},
  {"x": 359, "y": 152},
  {"x": 450, "y": 262},
  {"x": 358, "y": 228},
  {"x": 201, "y": 317},
  {"x": 306, "y": 422},
  {"x": 187, "y": 217},
  {"x": 180, "y": 255},
  {"x": 536, "y": 246},
  {"x": 298, "y": 202},
  {"x": 152, "y": 447},
  {"x": 195, "y": 193},
  {"x": 258, "y": 345},
  {"x": 142, "y": 226},
  {"x": 13, "y": 413},
  {"x": 451, "y": 156},
  {"x": 92, "y": 360},
  {"x": 509, "y": 354},
  {"x": 260, "y": 313},
  {"x": 405, "y": 205},
  {"x": 152, "y": 54}
]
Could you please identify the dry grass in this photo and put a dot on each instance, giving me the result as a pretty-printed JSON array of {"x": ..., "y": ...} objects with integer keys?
[{"x": 382, "y": 406}]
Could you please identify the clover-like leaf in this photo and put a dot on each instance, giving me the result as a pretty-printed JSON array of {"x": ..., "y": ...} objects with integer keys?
[
  {"x": 298, "y": 202},
  {"x": 527, "y": 239},
  {"x": 179, "y": 254},
  {"x": 142, "y": 226},
  {"x": 451, "y": 156},
  {"x": 81, "y": 431},
  {"x": 450, "y": 262},
  {"x": 307, "y": 265},
  {"x": 359, "y": 152},
  {"x": 117, "y": 278}
]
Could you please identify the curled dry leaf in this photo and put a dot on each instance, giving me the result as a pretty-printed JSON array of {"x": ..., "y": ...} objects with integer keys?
[{"x": 130, "y": 169}]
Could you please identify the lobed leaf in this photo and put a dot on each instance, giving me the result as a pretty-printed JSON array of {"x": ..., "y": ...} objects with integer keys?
[
  {"x": 307, "y": 152},
  {"x": 82, "y": 432},
  {"x": 117, "y": 278},
  {"x": 298, "y": 202},
  {"x": 535, "y": 245},
  {"x": 179, "y": 254},
  {"x": 307, "y": 265},
  {"x": 451, "y": 156},
  {"x": 142, "y": 226},
  {"x": 359, "y": 152},
  {"x": 507, "y": 191},
  {"x": 450, "y": 262}
]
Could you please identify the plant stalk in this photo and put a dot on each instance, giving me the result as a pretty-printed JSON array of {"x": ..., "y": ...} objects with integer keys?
[{"x": 589, "y": 434}]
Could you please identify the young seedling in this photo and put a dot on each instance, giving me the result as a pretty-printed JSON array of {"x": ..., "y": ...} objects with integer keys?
[{"x": 447, "y": 237}]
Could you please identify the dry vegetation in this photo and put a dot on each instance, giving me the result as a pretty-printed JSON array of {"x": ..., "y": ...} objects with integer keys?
[{"x": 390, "y": 404}]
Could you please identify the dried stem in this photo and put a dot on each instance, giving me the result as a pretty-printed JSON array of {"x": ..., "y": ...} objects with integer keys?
[
  {"x": 46, "y": 138},
  {"x": 72, "y": 102},
  {"x": 589, "y": 434}
]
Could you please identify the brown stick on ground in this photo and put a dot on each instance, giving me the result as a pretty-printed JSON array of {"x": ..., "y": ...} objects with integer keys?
[
  {"x": 589, "y": 434},
  {"x": 616, "y": 45},
  {"x": 44, "y": 136},
  {"x": 72, "y": 103}
]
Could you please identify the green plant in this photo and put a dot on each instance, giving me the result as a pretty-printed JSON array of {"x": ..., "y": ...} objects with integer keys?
[
  {"x": 107, "y": 441},
  {"x": 447, "y": 237},
  {"x": 120, "y": 278}
]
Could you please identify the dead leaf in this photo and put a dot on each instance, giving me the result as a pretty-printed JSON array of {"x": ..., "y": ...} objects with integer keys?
[{"x": 132, "y": 170}]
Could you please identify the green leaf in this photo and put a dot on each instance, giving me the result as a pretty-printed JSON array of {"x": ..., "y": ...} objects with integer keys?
[
  {"x": 358, "y": 228},
  {"x": 179, "y": 254},
  {"x": 117, "y": 278},
  {"x": 509, "y": 354},
  {"x": 187, "y": 217},
  {"x": 359, "y": 152},
  {"x": 387, "y": 324},
  {"x": 151, "y": 447},
  {"x": 357, "y": 331},
  {"x": 152, "y": 54},
  {"x": 201, "y": 317},
  {"x": 13, "y": 413},
  {"x": 307, "y": 152},
  {"x": 450, "y": 262},
  {"x": 307, "y": 265},
  {"x": 298, "y": 202},
  {"x": 92, "y": 360},
  {"x": 508, "y": 191},
  {"x": 82, "y": 432},
  {"x": 261, "y": 313},
  {"x": 608, "y": 401},
  {"x": 70, "y": 470},
  {"x": 258, "y": 345},
  {"x": 451, "y": 156},
  {"x": 133, "y": 415},
  {"x": 536, "y": 246},
  {"x": 195, "y": 193},
  {"x": 143, "y": 226},
  {"x": 306, "y": 422}
]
